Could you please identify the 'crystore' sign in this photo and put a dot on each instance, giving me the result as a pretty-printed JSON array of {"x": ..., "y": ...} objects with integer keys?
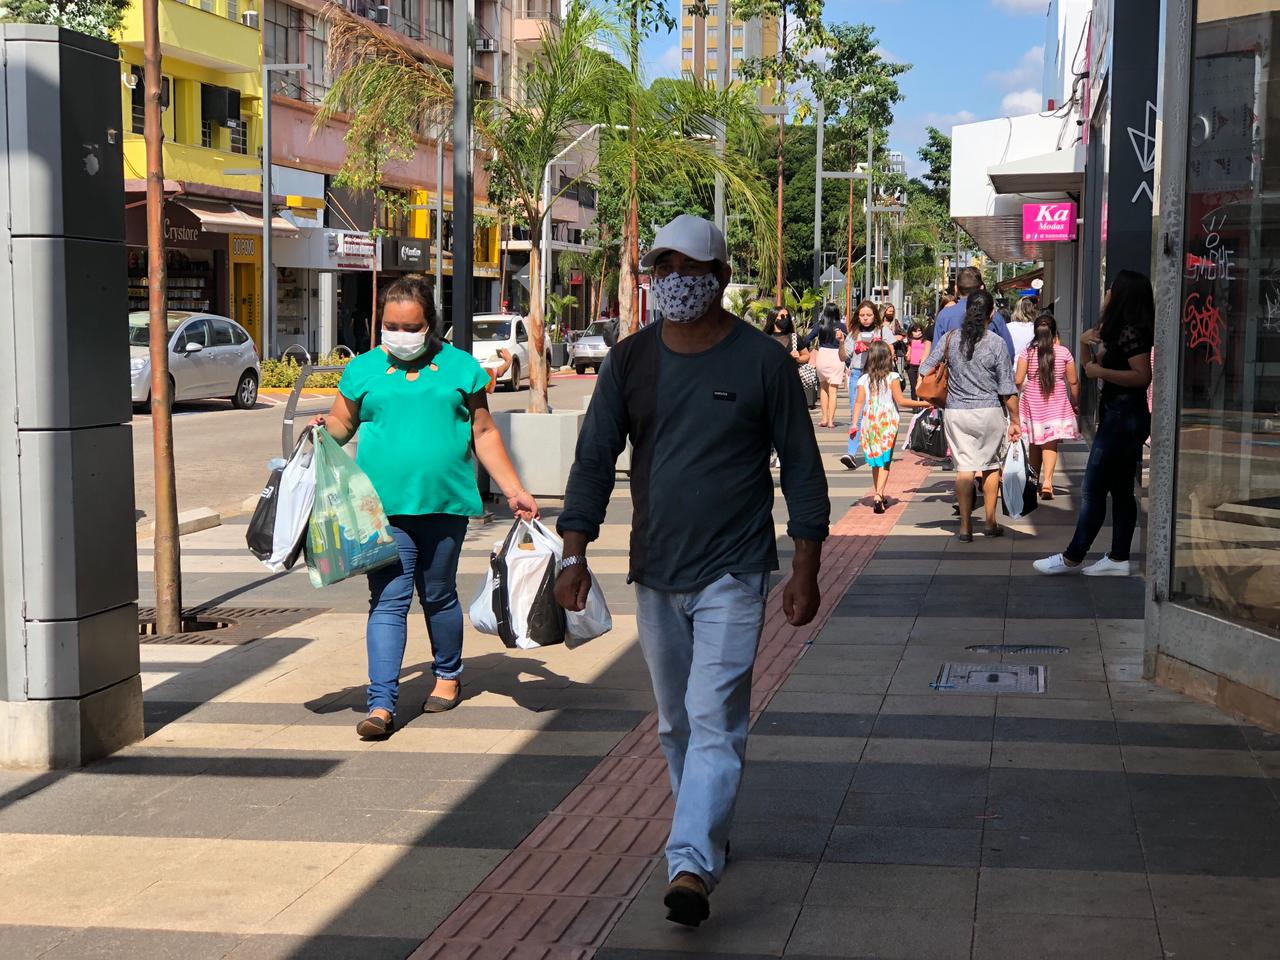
[{"x": 1048, "y": 222}]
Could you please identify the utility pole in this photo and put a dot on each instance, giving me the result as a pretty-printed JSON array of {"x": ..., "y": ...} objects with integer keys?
[
  {"x": 168, "y": 576},
  {"x": 821, "y": 121},
  {"x": 439, "y": 229},
  {"x": 463, "y": 227},
  {"x": 722, "y": 69},
  {"x": 871, "y": 148},
  {"x": 782, "y": 132}
]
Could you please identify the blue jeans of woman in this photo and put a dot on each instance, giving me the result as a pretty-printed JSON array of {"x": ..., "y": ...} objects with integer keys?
[
  {"x": 1123, "y": 428},
  {"x": 429, "y": 546}
]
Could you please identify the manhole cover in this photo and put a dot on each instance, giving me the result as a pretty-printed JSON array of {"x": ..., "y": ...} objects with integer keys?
[
  {"x": 990, "y": 678},
  {"x": 224, "y": 626},
  {"x": 1019, "y": 649}
]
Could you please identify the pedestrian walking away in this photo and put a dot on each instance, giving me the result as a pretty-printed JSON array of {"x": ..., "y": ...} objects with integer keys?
[
  {"x": 917, "y": 349},
  {"x": 1119, "y": 348},
  {"x": 1022, "y": 325},
  {"x": 702, "y": 396},
  {"x": 879, "y": 394},
  {"x": 968, "y": 281},
  {"x": 979, "y": 383},
  {"x": 1050, "y": 398},
  {"x": 828, "y": 339},
  {"x": 419, "y": 405}
]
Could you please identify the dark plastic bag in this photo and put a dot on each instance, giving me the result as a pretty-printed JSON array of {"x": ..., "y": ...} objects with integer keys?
[{"x": 927, "y": 436}]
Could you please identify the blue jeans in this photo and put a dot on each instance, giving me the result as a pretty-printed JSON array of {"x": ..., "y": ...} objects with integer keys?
[
  {"x": 1123, "y": 427},
  {"x": 429, "y": 546},
  {"x": 700, "y": 648}
]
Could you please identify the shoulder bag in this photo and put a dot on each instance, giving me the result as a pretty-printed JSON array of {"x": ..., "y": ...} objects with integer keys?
[{"x": 932, "y": 386}]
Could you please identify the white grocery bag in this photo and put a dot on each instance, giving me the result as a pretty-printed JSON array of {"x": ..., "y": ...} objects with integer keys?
[
  {"x": 517, "y": 600},
  {"x": 294, "y": 500},
  {"x": 1013, "y": 481}
]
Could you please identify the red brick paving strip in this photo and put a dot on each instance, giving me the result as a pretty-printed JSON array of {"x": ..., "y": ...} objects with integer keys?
[{"x": 558, "y": 895}]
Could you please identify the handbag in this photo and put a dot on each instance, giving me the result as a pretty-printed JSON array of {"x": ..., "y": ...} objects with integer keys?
[
  {"x": 1019, "y": 483},
  {"x": 931, "y": 387},
  {"x": 926, "y": 435}
]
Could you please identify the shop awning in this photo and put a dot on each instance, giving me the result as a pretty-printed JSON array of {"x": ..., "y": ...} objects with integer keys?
[
  {"x": 215, "y": 216},
  {"x": 1020, "y": 282},
  {"x": 1061, "y": 171}
]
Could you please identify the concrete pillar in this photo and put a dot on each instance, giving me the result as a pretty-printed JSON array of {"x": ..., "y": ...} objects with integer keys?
[
  {"x": 71, "y": 690},
  {"x": 327, "y": 314}
]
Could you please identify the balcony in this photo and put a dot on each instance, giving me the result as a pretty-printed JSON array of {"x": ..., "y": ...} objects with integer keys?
[
  {"x": 191, "y": 164},
  {"x": 533, "y": 17},
  {"x": 207, "y": 33}
]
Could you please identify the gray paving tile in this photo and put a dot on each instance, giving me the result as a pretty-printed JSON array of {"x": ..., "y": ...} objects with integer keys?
[
  {"x": 1049, "y": 814},
  {"x": 817, "y": 683},
  {"x": 933, "y": 704},
  {"x": 1070, "y": 892},
  {"x": 1201, "y": 736},
  {"x": 799, "y": 806},
  {"x": 459, "y": 829},
  {"x": 903, "y": 934},
  {"x": 1080, "y": 785},
  {"x": 1221, "y": 899},
  {"x": 912, "y": 810},
  {"x": 323, "y": 947},
  {"x": 778, "y": 840},
  {"x": 1193, "y": 790},
  {"x": 788, "y": 701},
  {"x": 1236, "y": 856},
  {"x": 1065, "y": 938},
  {"x": 876, "y": 886},
  {"x": 934, "y": 728},
  {"x": 1203, "y": 937},
  {"x": 814, "y": 725},
  {"x": 911, "y": 778},
  {"x": 904, "y": 845},
  {"x": 793, "y": 775},
  {"x": 1109, "y": 852},
  {"x": 20, "y": 941},
  {"x": 1055, "y": 730},
  {"x": 109, "y": 943}
]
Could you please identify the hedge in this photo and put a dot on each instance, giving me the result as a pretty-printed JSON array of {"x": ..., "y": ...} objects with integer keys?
[{"x": 283, "y": 374}]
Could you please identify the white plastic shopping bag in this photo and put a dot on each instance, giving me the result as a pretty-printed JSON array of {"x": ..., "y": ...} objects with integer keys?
[
  {"x": 1018, "y": 483},
  {"x": 517, "y": 601},
  {"x": 278, "y": 529}
]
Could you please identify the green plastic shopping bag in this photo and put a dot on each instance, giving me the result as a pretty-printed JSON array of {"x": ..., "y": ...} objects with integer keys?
[{"x": 348, "y": 533}]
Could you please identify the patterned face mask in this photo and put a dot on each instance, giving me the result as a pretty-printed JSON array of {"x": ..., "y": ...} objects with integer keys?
[{"x": 685, "y": 299}]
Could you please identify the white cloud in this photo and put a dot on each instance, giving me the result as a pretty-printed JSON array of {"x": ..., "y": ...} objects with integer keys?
[
  {"x": 945, "y": 121},
  {"x": 909, "y": 134},
  {"x": 667, "y": 64},
  {"x": 1022, "y": 6},
  {"x": 1027, "y": 72},
  {"x": 1022, "y": 101}
]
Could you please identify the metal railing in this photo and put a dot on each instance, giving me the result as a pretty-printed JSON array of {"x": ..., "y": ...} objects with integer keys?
[{"x": 287, "y": 438}]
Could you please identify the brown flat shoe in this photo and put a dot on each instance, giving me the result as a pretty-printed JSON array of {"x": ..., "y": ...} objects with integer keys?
[
  {"x": 1046, "y": 494},
  {"x": 375, "y": 728},
  {"x": 687, "y": 901},
  {"x": 443, "y": 704}
]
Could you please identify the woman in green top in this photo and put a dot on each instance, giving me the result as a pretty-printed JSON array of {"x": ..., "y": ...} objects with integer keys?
[{"x": 419, "y": 404}]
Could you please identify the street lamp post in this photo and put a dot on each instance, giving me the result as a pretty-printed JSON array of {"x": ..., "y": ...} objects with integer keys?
[
  {"x": 464, "y": 42},
  {"x": 268, "y": 272}
]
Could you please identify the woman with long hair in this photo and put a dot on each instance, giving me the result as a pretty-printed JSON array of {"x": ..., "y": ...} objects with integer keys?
[
  {"x": 1022, "y": 324},
  {"x": 877, "y": 400},
  {"x": 1046, "y": 375},
  {"x": 979, "y": 384},
  {"x": 1119, "y": 348},
  {"x": 828, "y": 337},
  {"x": 779, "y": 325},
  {"x": 422, "y": 404}
]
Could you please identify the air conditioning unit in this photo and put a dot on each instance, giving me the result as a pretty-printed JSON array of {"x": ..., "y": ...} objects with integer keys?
[
  {"x": 383, "y": 15},
  {"x": 486, "y": 45},
  {"x": 250, "y": 19}
]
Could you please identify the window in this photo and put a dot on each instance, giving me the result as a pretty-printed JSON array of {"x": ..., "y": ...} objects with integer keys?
[
  {"x": 1225, "y": 556},
  {"x": 405, "y": 15},
  {"x": 281, "y": 33},
  {"x": 238, "y": 336},
  {"x": 318, "y": 78},
  {"x": 240, "y": 136},
  {"x": 197, "y": 331},
  {"x": 439, "y": 23},
  {"x": 208, "y": 133},
  {"x": 233, "y": 10},
  {"x": 522, "y": 332},
  {"x": 686, "y": 37},
  {"x": 138, "y": 100},
  {"x": 737, "y": 36},
  {"x": 222, "y": 335}
]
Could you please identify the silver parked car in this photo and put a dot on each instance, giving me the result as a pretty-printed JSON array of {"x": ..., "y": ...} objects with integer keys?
[
  {"x": 592, "y": 345},
  {"x": 210, "y": 357}
]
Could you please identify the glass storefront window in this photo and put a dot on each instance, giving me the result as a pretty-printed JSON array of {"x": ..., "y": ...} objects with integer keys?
[{"x": 1226, "y": 544}]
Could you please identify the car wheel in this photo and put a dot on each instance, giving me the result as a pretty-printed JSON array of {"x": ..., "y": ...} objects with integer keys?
[
  {"x": 246, "y": 394},
  {"x": 580, "y": 370},
  {"x": 514, "y": 383}
]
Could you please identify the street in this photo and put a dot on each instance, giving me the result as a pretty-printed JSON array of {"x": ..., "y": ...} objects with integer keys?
[{"x": 221, "y": 454}]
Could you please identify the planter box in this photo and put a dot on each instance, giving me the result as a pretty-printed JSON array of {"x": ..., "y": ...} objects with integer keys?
[
  {"x": 542, "y": 447},
  {"x": 559, "y": 356}
]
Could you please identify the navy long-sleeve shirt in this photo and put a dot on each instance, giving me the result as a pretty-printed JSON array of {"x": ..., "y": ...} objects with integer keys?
[
  {"x": 701, "y": 427},
  {"x": 952, "y": 318}
]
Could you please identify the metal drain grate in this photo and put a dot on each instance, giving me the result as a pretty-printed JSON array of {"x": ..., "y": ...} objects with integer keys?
[
  {"x": 223, "y": 626},
  {"x": 1019, "y": 649},
  {"x": 990, "y": 678}
]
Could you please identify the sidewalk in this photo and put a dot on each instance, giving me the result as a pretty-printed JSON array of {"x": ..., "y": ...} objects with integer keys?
[{"x": 879, "y": 817}]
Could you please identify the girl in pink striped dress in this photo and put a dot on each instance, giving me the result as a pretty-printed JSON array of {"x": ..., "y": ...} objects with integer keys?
[{"x": 1046, "y": 375}]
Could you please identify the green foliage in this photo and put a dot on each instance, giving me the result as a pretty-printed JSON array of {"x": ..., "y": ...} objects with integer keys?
[
  {"x": 95, "y": 18},
  {"x": 936, "y": 154},
  {"x": 557, "y": 304},
  {"x": 283, "y": 374}
]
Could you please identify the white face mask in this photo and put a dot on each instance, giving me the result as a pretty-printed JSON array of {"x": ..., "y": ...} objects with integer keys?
[
  {"x": 405, "y": 345},
  {"x": 684, "y": 299}
]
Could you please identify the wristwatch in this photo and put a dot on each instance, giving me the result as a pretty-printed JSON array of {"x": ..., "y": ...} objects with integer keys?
[{"x": 568, "y": 562}]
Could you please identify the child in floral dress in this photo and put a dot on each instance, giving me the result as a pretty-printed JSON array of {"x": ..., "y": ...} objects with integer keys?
[{"x": 875, "y": 415}]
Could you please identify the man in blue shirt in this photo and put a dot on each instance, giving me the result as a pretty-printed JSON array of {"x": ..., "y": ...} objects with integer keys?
[{"x": 968, "y": 280}]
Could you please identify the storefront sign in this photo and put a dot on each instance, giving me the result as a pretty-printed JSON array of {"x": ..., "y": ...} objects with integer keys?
[
  {"x": 1048, "y": 222},
  {"x": 352, "y": 251},
  {"x": 246, "y": 247},
  {"x": 411, "y": 254},
  {"x": 182, "y": 228}
]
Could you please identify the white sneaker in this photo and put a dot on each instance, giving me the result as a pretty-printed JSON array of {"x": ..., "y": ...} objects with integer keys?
[
  {"x": 1056, "y": 566},
  {"x": 1106, "y": 567}
]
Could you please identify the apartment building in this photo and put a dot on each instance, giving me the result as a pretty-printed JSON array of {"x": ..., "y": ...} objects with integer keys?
[{"x": 702, "y": 44}]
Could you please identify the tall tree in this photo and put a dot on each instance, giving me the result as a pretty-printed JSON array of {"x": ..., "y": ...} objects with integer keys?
[
  {"x": 936, "y": 155},
  {"x": 800, "y": 32},
  {"x": 96, "y": 18}
]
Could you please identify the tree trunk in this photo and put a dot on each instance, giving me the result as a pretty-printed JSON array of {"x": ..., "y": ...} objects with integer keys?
[
  {"x": 502, "y": 271},
  {"x": 629, "y": 278},
  {"x": 168, "y": 575},
  {"x": 373, "y": 306},
  {"x": 537, "y": 329}
]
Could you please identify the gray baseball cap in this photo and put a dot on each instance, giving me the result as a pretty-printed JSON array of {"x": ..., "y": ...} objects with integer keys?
[{"x": 696, "y": 238}]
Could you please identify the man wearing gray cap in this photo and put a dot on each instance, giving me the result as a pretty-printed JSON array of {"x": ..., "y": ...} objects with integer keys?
[{"x": 703, "y": 397}]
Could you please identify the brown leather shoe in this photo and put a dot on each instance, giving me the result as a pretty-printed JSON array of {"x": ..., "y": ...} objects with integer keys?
[
  {"x": 373, "y": 727},
  {"x": 443, "y": 704},
  {"x": 687, "y": 901}
]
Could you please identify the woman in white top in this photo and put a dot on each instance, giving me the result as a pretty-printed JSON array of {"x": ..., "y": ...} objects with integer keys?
[{"x": 1022, "y": 325}]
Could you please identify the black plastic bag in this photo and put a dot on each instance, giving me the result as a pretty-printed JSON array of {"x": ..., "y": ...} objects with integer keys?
[
  {"x": 260, "y": 536},
  {"x": 927, "y": 436}
]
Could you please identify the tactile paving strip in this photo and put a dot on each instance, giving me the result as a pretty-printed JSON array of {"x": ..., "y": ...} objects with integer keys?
[{"x": 557, "y": 896}]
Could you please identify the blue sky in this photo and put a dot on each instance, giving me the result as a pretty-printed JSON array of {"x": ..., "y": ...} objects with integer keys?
[{"x": 969, "y": 61}]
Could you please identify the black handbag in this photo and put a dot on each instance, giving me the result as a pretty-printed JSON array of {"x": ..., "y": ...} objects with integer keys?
[{"x": 927, "y": 436}]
